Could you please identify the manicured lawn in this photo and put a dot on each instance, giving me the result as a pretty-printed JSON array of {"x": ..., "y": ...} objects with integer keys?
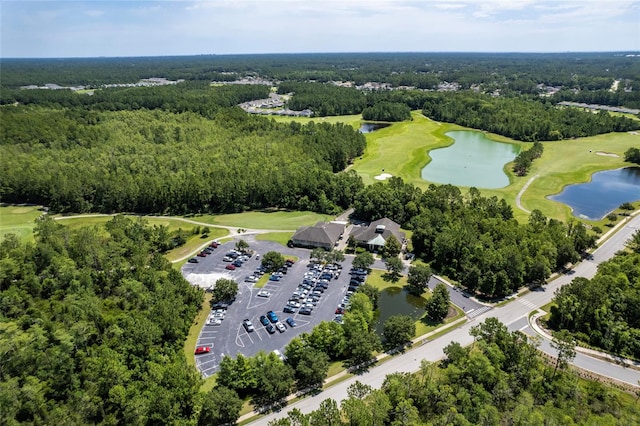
[
  {"x": 278, "y": 237},
  {"x": 18, "y": 220},
  {"x": 276, "y": 220}
]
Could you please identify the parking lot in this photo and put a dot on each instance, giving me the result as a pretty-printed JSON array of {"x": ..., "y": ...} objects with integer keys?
[{"x": 230, "y": 337}]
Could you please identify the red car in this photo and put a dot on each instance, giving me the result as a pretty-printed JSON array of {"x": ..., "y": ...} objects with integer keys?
[
  {"x": 202, "y": 254},
  {"x": 202, "y": 350},
  {"x": 214, "y": 244},
  {"x": 230, "y": 267}
]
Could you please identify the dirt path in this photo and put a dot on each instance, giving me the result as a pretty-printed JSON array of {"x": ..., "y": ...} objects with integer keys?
[{"x": 524, "y": 188}]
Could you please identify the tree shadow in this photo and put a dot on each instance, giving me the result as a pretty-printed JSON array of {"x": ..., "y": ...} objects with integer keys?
[{"x": 391, "y": 277}]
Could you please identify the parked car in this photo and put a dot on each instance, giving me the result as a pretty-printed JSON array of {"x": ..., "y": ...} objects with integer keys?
[
  {"x": 202, "y": 350},
  {"x": 230, "y": 267},
  {"x": 264, "y": 293},
  {"x": 263, "y": 320},
  {"x": 339, "y": 310},
  {"x": 289, "y": 309},
  {"x": 193, "y": 260},
  {"x": 214, "y": 321},
  {"x": 272, "y": 316},
  {"x": 274, "y": 278},
  {"x": 248, "y": 325},
  {"x": 280, "y": 327},
  {"x": 214, "y": 244},
  {"x": 237, "y": 263},
  {"x": 293, "y": 303},
  {"x": 291, "y": 322},
  {"x": 270, "y": 329},
  {"x": 227, "y": 259},
  {"x": 202, "y": 254},
  {"x": 305, "y": 311},
  {"x": 251, "y": 279}
]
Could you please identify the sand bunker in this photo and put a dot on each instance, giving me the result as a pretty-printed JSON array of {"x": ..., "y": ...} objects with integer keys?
[
  {"x": 383, "y": 176},
  {"x": 607, "y": 154}
]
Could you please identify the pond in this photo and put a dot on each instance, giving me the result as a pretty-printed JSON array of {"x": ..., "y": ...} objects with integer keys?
[
  {"x": 372, "y": 127},
  {"x": 472, "y": 160},
  {"x": 606, "y": 191},
  {"x": 396, "y": 301}
]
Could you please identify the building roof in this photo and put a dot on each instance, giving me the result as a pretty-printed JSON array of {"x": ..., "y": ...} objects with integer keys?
[
  {"x": 378, "y": 231},
  {"x": 322, "y": 234}
]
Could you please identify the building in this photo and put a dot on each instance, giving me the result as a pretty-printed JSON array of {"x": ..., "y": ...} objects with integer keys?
[
  {"x": 375, "y": 236},
  {"x": 322, "y": 234}
]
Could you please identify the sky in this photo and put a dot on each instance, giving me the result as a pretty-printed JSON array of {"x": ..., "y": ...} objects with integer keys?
[{"x": 158, "y": 28}]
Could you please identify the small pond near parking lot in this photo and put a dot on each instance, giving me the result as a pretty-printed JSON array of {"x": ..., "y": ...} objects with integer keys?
[
  {"x": 604, "y": 193},
  {"x": 472, "y": 160},
  {"x": 397, "y": 301}
]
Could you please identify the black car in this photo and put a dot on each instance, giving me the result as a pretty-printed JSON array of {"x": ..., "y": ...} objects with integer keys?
[
  {"x": 305, "y": 311},
  {"x": 193, "y": 260},
  {"x": 289, "y": 310},
  {"x": 237, "y": 263},
  {"x": 263, "y": 320},
  {"x": 270, "y": 328}
]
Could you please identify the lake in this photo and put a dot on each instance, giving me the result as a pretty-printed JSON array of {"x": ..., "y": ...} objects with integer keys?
[
  {"x": 372, "y": 127},
  {"x": 606, "y": 191},
  {"x": 472, "y": 160},
  {"x": 396, "y": 301}
]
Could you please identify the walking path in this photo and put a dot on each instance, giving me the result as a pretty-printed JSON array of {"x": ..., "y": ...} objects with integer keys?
[{"x": 524, "y": 188}]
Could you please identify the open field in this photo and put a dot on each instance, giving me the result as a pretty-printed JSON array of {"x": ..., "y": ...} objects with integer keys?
[
  {"x": 18, "y": 220},
  {"x": 276, "y": 220},
  {"x": 353, "y": 120}
]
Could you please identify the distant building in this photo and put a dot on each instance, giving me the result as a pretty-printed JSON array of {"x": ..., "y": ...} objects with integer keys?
[
  {"x": 323, "y": 234},
  {"x": 375, "y": 236}
]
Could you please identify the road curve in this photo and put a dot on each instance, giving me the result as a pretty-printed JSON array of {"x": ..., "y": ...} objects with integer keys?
[{"x": 508, "y": 314}]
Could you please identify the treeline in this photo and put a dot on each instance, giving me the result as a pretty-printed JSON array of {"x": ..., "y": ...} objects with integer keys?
[
  {"x": 523, "y": 161},
  {"x": 525, "y": 120},
  {"x": 474, "y": 239},
  {"x": 156, "y": 161},
  {"x": 324, "y": 99},
  {"x": 515, "y": 73},
  {"x": 387, "y": 111},
  {"x": 604, "y": 311},
  {"x": 500, "y": 379},
  {"x": 92, "y": 326},
  {"x": 198, "y": 97},
  {"x": 604, "y": 96}
]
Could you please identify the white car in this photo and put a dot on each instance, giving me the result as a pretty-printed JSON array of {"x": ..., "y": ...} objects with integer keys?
[
  {"x": 214, "y": 321},
  {"x": 264, "y": 293},
  {"x": 280, "y": 327},
  {"x": 293, "y": 304}
]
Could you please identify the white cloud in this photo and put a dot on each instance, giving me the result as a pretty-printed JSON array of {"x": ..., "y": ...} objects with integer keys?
[{"x": 94, "y": 13}]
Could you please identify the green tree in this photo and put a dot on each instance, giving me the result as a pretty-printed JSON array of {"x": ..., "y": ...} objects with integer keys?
[
  {"x": 274, "y": 378},
  {"x": 318, "y": 254},
  {"x": 372, "y": 293},
  {"x": 392, "y": 247},
  {"x": 437, "y": 306},
  {"x": 224, "y": 290},
  {"x": 273, "y": 261},
  {"x": 311, "y": 369},
  {"x": 363, "y": 260},
  {"x": 327, "y": 414},
  {"x": 394, "y": 268},
  {"x": 634, "y": 242},
  {"x": 220, "y": 406},
  {"x": 418, "y": 279},
  {"x": 328, "y": 337},
  {"x": 242, "y": 245},
  {"x": 565, "y": 344},
  {"x": 398, "y": 330}
]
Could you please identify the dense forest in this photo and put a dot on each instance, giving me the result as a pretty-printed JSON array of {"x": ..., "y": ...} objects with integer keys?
[
  {"x": 500, "y": 379},
  {"x": 474, "y": 239},
  {"x": 92, "y": 328},
  {"x": 583, "y": 76},
  {"x": 604, "y": 311},
  {"x": 147, "y": 161}
]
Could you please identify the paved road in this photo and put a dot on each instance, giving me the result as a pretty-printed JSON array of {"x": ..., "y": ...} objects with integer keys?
[{"x": 509, "y": 314}]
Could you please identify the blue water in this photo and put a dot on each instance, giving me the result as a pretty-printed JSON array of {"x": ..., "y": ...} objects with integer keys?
[
  {"x": 606, "y": 191},
  {"x": 372, "y": 127},
  {"x": 472, "y": 160}
]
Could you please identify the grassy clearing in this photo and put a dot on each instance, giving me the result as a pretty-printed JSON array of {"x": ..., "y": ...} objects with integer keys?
[
  {"x": 276, "y": 220},
  {"x": 353, "y": 120},
  {"x": 194, "y": 330},
  {"x": 278, "y": 237},
  {"x": 18, "y": 220}
]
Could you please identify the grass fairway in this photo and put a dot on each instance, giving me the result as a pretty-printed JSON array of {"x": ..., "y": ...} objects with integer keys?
[
  {"x": 18, "y": 220},
  {"x": 276, "y": 220}
]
